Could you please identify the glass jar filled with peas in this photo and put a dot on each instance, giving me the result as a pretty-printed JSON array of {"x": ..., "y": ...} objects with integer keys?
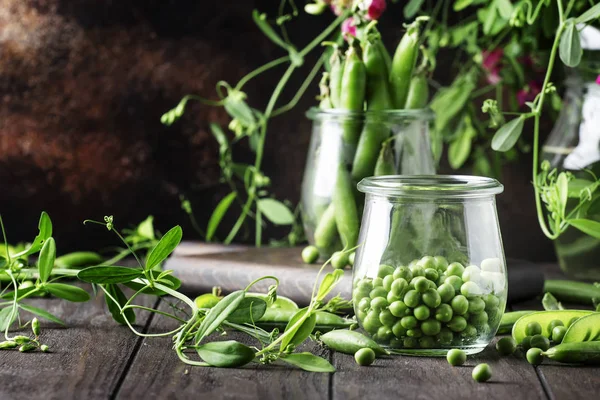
[{"x": 430, "y": 273}]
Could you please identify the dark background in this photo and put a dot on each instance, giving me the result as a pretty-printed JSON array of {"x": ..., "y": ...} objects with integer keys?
[{"x": 83, "y": 85}]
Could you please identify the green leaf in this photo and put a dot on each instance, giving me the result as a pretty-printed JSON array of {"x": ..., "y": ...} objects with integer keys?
[
  {"x": 67, "y": 292},
  {"x": 45, "y": 231},
  {"x": 577, "y": 185},
  {"x": 46, "y": 261},
  {"x": 412, "y": 8},
  {"x": 587, "y": 226},
  {"x": 115, "y": 309},
  {"x": 218, "y": 214},
  {"x": 219, "y": 313},
  {"x": 460, "y": 148},
  {"x": 505, "y": 8},
  {"x": 328, "y": 282},
  {"x": 506, "y": 137},
  {"x": 250, "y": 310},
  {"x": 220, "y": 137},
  {"x": 308, "y": 362},
  {"x": 589, "y": 15},
  {"x": 42, "y": 313},
  {"x": 174, "y": 284},
  {"x": 302, "y": 332},
  {"x": 164, "y": 247},
  {"x": 78, "y": 259},
  {"x": 261, "y": 21},
  {"x": 275, "y": 211},
  {"x": 105, "y": 274},
  {"x": 227, "y": 354},
  {"x": 550, "y": 303},
  {"x": 146, "y": 228},
  {"x": 449, "y": 102},
  {"x": 5, "y": 320},
  {"x": 569, "y": 49}
]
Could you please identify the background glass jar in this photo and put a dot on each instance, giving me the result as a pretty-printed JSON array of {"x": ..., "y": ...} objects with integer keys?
[
  {"x": 430, "y": 272},
  {"x": 369, "y": 143}
]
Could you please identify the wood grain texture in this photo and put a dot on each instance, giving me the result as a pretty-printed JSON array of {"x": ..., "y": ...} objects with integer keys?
[
  {"x": 157, "y": 373},
  {"x": 87, "y": 358}
]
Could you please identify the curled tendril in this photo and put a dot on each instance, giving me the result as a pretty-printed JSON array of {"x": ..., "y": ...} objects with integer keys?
[{"x": 109, "y": 222}]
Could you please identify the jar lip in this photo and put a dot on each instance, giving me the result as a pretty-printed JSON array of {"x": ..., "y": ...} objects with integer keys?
[
  {"x": 316, "y": 113},
  {"x": 462, "y": 186}
]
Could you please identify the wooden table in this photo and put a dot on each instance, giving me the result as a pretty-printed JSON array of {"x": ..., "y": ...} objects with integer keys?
[{"x": 96, "y": 359}]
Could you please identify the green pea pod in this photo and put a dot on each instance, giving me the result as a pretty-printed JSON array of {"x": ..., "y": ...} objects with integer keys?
[
  {"x": 279, "y": 318},
  {"x": 352, "y": 96},
  {"x": 403, "y": 64},
  {"x": 335, "y": 77},
  {"x": 509, "y": 319},
  {"x": 27, "y": 347},
  {"x": 326, "y": 230},
  {"x": 8, "y": 344},
  {"x": 346, "y": 214},
  {"x": 575, "y": 353},
  {"x": 78, "y": 259},
  {"x": 386, "y": 56},
  {"x": 418, "y": 92},
  {"x": 385, "y": 161},
  {"x": 576, "y": 292},
  {"x": 349, "y": 342}
]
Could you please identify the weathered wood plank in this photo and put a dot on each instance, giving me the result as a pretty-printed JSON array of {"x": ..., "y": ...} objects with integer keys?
[
  {"x": 157, "y": 373},
  {"x": 87, "y": 358}
]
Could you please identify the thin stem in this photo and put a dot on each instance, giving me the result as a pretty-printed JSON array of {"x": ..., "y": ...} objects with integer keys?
[
  {"x": 14, "y": 303},
  {"x": 153, "y": 310},
  {"x": 128, "y": 247},
  {"x": 260, "y": 70}
]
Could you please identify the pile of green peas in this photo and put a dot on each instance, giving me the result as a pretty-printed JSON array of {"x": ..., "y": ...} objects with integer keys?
[{"x": 431, "y": 303}]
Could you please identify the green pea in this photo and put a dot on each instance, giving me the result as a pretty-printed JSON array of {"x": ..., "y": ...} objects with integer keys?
[
  {"x": 385, "y": 270},
  {"x": 378, "y": 292},
  {"x": 351, "y": 258},
  {"x": 387, "y": 282},
  {"x": 365, "y": 284},
  {"x": 471, "y": 274},
  {"x": 384, "y": 333},
  {"x": 444, "y": 313},
  {"x": 395, "y": 343},
  {"x": 431, "y": 327},
  {"x": 44, "y": 348},
  {"x": 454, "y": 281},
  {"x": 310, "y": 254},
  {"x": 422, "y": 312},
  {"x": 379, "y": 303},
  {"x": 398, "y": 330},
  {"x": 411, "y": 343},
  {"x": 417, "y": 270},
  {"x": 364, "y": 304},
  {"x": 409, "y": 322},
  {"x": 445, "y": 336},
  {"x": 554, "y": 323},
  {"x": 533, "y": 328},
  {"x": 479, "y": 318},
  {"x": 534, "y": 356},
  {"x": 361, "y": 315},
  {"x": 364, "y": 356},
  {"x": 427, "y": 262},
  {"x": 540, "y": 341},
  {"x": 482, "y": 373},
  {"x": 415, "y": 332},
  {"x": 440, "y": 263},
  {"x": 359, "y": 293},
  {"x": 432, "y": 298},
  {"x": 398, "y": 286},
  {"x": 460, "y": 305},
  {"x": 412, "y": 298},
  {"x": 457, "y": 324},
  {"x": 456, "y": 357},
  {"x": 441, "y": 280},
  {"x": 432, "y": 274},
  {"x": 476, "y": 305},
  {"x": 470, "y": 290},
  {"x": 484, "y": 329},
  {"x": 526, "y": 343},
  {"x": 572, "y": 321},
  {"x": 377, "y": 282},
  {"x": 387, "y": 318},
  {"x": 339, "y": 260},
  {"x": 558, "y": 333},
  {"x": 427, "y": 342},
  {"x": 398, "y": 309},
  {"x": 455, "y": 269},
  {"x": 421, "y": 284},
  {"x": 491, "y": 302},
  {"x": 403, "y": 272},
  {"x": 506, "y": 346},
  {"x": 469, "y": 332},
  {"x": 446, "y": 292},
  {"x": 391, "y": 297}
]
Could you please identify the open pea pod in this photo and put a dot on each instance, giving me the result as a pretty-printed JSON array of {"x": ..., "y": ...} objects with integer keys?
[
  {"x": 282, "y": 303},
  {"x": 585, "y": 329},
  {"x": 544, "y": 318}
]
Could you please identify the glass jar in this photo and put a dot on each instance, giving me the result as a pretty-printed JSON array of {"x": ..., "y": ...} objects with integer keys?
[
  {"x": 402, "y": 147},
  {"x": 430, "y": 272}
]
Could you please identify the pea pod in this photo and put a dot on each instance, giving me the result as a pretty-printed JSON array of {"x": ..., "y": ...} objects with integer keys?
[
  {"x": 509, "y": 319},
  {"x": 335, "y": 77},
  {"x": 576, "y": 292},
  {"x": 352, "y": 96},
  {"x": 326, "y": 230},
  {"x": 378, "y": 99},
  {"x": 78, "y": 259},
  {"x": 346, "y": 214},
  {"x": 418, "y": 92},
  {"x": 585, "y": 329},
  {"x": 349, "y": 342},
  {"x": 403, "y": 64},
  {"x": 575, "y": 353},
  {"x": 387, "y": 59},
  {"x": 544, "y": 318},
  {"x": 279, "y": 318},
  {"x": 385, "y": 161}
]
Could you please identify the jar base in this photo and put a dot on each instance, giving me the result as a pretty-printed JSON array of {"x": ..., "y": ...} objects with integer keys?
[{"x": 469, "y": 350}]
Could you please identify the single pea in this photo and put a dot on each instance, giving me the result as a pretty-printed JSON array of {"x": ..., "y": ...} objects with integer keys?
[
  {"x": 540, "y": 341},
  {"x": 445, "y": 336},
  {"x": 572, "y": 321},
  {"x": 359, "y": 293},
  {"x": 387, "y": 318},
  {"x": 398, "y": 330},
  {"x": 432, "y": 285},
  {"x": 412, "y": 298},
  {"x": 387, "y": 282},
  {"x": 310, "y": 254},
  {"x": 482, "y": 373},
  {"x": 476, "y": 305},
  {"x": 558, "y": 333},
  {"x": 457, "y": 324},
  {"x": 378, "y": 292},
  {"x": 431, "y": 327},
  {"x": 440, "y": 263},
  {"x": 427, "y": 342},
  {"x": 398, "y": 308},
  {"x": 395, "y": 343},
  {"x": 456, "y": 357},
  {"x": 455, "y": 269},
  {"x": 371, "y": 324},
  {"x": 506, "y": 346},
  {"x": 391, "y": 297},
  {"x": 421, "y": 284},
  {"x": 361, "y": 315},
  {"x": 534, "y": 356},
  {"x": 364, "y": 304},
  {"x": 479, "y": 318},
  {"x": 402, "y": 272},
  {"x": 444, "y": 313},
  {"x": 469, "y": 332},
  {"x": 526, "y": 343},
  {"x": 410, "y": 343},
  {"x": 364, "y": 356},
  {"x": 379, "y": 303},
  {"x": 446, "y": 292},
  {"x": 384, "y": 333},
  {"x": 398, "y": 286},
  {"x": 385, "y": 270},
  {"x": 460, "y": 305},
  {"x": 377, "y": 282},
  {"x": 427, "y": 262},
  {"x": 491, "y": 302},
  {"x": 471, "y": 274},
  {"x": 413, "y": 263},
  {"x": 432, "y": 274},
  {"x": 533, "y": 328},
  {"x": 432, "y": 298},
  {"x": 415, "y": 332},
  {"x": 554, "y": 323},
  {"x": 454, "y": 281},
  {"x": 351, "y": 258},
  {"x": 471, "y": 290},
  {"x": 339, "y": 260},
  {"x": 422, "y": 312},
  {"x": 365, "y": 284},
  {"x": 441, "y": 280},
  {"x": 417, "y": 270},
  {"x": 409, "y": 322}
]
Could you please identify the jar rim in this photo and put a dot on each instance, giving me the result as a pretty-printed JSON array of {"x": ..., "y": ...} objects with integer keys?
[
  {"x": 316, "y": 113},
  {"x": 456, "y": 186}
]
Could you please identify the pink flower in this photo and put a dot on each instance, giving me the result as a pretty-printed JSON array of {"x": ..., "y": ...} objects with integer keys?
[
  {"x": 491, "y": 64},
  {"x": 529, "y": 92},
  {"x": 598, "y": 79},
  {"x": 348, "y": 28},
  {"x": 339, "y": 6},
  {"x": 375, "y": 9}
]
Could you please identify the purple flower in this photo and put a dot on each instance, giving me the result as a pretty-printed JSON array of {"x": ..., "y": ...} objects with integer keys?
[
  {"x": 491, "y": 64},
  {"x": 375, "y": 9},
  {"x": 348, "y": 28},
  {"x": 529, "y": 92},
  {"x": 598, "y": 79}
]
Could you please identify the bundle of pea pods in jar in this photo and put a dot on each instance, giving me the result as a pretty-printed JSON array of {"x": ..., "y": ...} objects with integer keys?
[{"x": 371, "y": 121}]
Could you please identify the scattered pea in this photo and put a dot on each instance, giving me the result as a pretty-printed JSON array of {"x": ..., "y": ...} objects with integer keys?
[
  {"x": 558, "y": 333},
  {"x": 456, "y": 357},
  {"x": 526, "y": 343},
  {"x": 482, "y": 373},
  {"x": 554, "y": 323},
  {"x": 506, "y": 346},
  {"x": 364, "y": 356},
  {"x": 540, "y": 342},
  {"x": 533, "y": 328},
  {"x": 534, "y": 356},
  {"x": 44, "y": 348},
  {"x": 310, "y": 254}
]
